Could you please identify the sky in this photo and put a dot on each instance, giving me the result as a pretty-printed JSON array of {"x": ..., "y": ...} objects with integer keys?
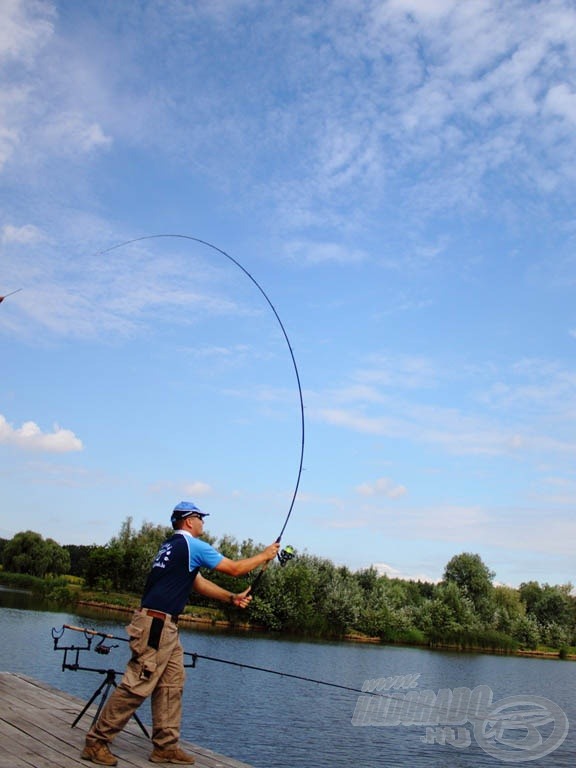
[{"x": 191, "y": 192}]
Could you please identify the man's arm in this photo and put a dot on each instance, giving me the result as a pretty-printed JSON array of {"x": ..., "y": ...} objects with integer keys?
[
  {"x": 209, "y": 589},
  {"x": 241, "y": 567}
]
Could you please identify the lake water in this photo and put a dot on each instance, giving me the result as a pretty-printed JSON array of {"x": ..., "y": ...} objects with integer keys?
[{"x": 268, "y": 720}]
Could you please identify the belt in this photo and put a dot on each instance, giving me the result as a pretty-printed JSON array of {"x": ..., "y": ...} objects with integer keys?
[{"x": 160, "y": 615}]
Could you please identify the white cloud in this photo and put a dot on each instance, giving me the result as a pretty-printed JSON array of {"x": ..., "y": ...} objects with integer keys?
[
  {"x": 561, "y": 101},
  {"x": 323, "y": 252},
  {"x": 197, "y": 488},
  {"x": 523, "y": 410},
  {"x": 24, "y": 235},
  {"x": 384, "y": 569},
  {"x": 29, "y": 436},
  {"x": 48, "y": 104},
  {"x": 383, "y": 486},
  {"x": 24, "y": 26},
  {"x": 424, "y": 8},
  {"x": 358, "y": 422},
  {"x": 72, "y": 132},
  {"x": 25, "y": 29},
  {"x": 8, "y": 140},
  {"x": 397, "y": 87}
]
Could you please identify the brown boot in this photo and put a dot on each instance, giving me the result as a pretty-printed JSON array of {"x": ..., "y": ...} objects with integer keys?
[
  {"x": 99, "y": 753},
  {"x": 173, "y": 755}
]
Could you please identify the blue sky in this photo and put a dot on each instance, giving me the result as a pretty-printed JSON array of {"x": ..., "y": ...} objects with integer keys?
[{"x": 399, "y": 178}]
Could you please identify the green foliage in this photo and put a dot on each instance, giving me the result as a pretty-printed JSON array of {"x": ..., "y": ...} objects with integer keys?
[
  {"x": 59, "y": 591},
  {"x": 54, "y": 589},
  {"x": 123, "y": 564},
  {"x": 79, "y": 558},
  {"x": 234, "y": 550},
  {"x": 474, "y": 580},
  {"x": 527, "y": 632},
  {"x": 28, "y": 552},
  {"x": 548, "y": 604},
  {"x": 555, "y": 635},
  {"x": 508, "y": 609},
  {"x": 22, "y": 581},
  {"x": 474, "y": 640},
  {"x": 310, "y": 596}
]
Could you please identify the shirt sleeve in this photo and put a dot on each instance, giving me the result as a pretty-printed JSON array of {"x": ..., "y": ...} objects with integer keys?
[{"x": 201, "y": 554}]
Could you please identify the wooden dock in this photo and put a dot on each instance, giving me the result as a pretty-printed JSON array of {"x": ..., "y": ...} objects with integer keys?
[{"x": 36, "y": 731}]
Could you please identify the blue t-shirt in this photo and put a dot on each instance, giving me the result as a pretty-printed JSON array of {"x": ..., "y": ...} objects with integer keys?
[{"x": 174, "y": 569}]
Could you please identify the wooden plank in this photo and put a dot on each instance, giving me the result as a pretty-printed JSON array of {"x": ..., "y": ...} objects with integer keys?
[
  {"x": 28, "y": 749},
  {"x": 36, "y": 732}
]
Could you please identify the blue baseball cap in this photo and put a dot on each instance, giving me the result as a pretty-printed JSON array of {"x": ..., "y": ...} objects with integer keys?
[{"x": 184, "y": 509}]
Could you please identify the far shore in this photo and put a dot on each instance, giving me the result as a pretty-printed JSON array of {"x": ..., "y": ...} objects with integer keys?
[{"x": 188, "y": 618}]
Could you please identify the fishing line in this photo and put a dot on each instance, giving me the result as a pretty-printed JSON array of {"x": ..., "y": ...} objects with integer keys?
[{"x": 277, "y": 316}]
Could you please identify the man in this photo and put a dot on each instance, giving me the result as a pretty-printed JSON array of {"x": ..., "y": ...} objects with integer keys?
[{"x": 156, "y": 668}]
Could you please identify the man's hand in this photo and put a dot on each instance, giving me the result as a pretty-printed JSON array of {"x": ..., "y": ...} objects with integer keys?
[
  {"x": 243, "y": 599},
  {"x": 272, "y": 550}
]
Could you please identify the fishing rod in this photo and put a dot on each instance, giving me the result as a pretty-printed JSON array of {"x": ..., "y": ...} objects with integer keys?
[
  {"x": 416, "y": 707},
  {"x": 288, "y": 552},
  {"x": 101, "y": 648},
  {"x": 196, "y": 656},
  {"x": 9, "y": 294}
]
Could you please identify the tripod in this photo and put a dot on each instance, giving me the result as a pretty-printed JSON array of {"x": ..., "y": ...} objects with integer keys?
[{"x": 103, "y": 690}]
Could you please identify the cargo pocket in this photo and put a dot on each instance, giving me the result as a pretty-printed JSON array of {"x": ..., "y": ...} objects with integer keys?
[
  {"x": 140, "y": 672},
  {"x": 148, "y": 666},
  {"x": 138, "y": 640}
]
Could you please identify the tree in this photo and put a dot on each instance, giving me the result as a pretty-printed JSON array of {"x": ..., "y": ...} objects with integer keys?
[
  {"x": 343, "y": 600},
  {"x": 527, "y": 631},
  {"x": 79, "y": 557},
  {"x": 28, "y": 552},
  {"x": 124, "y": 562},
  {"x": 548, "y": 604},
  {"x": 474, "y": 579},
  {"x": 508, "y": 609}
]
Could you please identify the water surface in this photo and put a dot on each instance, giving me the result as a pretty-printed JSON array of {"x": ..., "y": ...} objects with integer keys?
[{"x": 270, "y": 720}]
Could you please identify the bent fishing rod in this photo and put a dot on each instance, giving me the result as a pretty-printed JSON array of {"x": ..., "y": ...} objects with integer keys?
[
  {"x": 288, "y": 552},
  {"x": 9, "y": 294}
]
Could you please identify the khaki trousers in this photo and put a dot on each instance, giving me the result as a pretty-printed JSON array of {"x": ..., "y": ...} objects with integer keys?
[{"x": 156, "y": 672}]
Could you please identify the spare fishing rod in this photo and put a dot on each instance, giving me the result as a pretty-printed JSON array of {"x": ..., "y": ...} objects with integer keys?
[
  {"x": 288, "y": 552},
  {"x": 90, "y": 634},
  {"x": 196, "y": 656},
  {"x": 398, "y": 704}
]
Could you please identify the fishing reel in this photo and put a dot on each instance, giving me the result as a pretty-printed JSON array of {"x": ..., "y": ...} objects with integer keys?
[
  {"x": 283, "y": 556},
  {"x": 286, "y": 554},
  {"x": 102, "y": 649}
]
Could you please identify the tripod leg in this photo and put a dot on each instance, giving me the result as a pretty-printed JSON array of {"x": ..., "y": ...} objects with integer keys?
[
  {"x": 103, "y": 690},
  {"x": 135, "y": 716},
  {"x": 141, "y": 724},
  {"x": 112, "y": 682},
  {"x": 105, "y": 693},
  {"x": 96, "y": 693}
]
